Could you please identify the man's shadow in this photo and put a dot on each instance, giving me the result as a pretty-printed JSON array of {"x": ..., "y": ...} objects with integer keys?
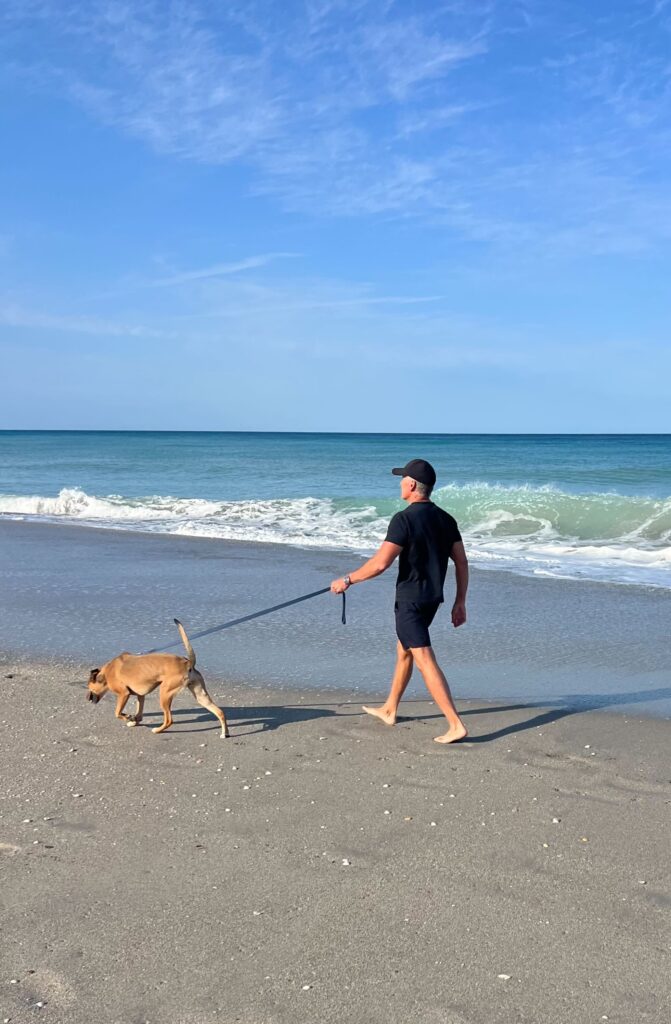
[{"x": 562, "y": 707}]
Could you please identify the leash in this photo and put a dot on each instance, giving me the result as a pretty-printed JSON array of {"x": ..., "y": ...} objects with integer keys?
[{"x": 254, "y": 615}]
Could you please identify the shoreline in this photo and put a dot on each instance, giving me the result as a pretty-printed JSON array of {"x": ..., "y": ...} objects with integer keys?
[
  {"x": 320, "y": 866},
  {"x": 74, "y": 674},
  {"x": 362, "y": 552},
  {"x": 83, "y": 595}
]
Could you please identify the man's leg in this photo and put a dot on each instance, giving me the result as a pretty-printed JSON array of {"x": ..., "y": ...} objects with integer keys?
[
  {"x": 436, "y": 684},
  {"x": 401, "y": 678}
]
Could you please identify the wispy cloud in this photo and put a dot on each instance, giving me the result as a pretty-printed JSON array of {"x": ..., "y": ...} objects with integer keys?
[
  {"x": 15, "y": 316},
  {"x": 219, "y": 270},
  {"x": 391, "y": 109},
  {"x": 282, "y": 94},
  {"x": 274, "y": 305}
]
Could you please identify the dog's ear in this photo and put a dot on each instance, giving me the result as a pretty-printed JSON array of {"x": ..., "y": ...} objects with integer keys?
[{"x": 94, "y": 675}]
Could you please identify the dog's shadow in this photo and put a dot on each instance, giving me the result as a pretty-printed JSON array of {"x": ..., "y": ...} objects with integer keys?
[
  {"x": 247, "y": 719},
  {"x": 250, "y": 719}
]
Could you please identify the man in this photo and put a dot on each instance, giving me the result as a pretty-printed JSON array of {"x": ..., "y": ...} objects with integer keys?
[{"x": 425, "y": 537}]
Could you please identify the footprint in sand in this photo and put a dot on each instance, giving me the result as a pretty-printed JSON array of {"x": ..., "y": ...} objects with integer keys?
[
  {"x": 48, "y": 987},
  {"x": 441, "y": 1016}
]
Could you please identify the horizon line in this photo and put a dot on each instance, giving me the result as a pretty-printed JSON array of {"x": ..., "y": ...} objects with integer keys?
[{"x": 336, "y": 433}]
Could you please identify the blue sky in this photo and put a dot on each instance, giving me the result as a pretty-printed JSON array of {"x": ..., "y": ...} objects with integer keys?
[{"x": 336, "y": 215}]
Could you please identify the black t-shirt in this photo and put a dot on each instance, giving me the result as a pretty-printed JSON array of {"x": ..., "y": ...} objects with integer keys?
[{"x": 426, "y": 533}]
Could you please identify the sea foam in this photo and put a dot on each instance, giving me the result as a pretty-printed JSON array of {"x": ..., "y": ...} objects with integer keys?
[{"x": 523, "y": 529}]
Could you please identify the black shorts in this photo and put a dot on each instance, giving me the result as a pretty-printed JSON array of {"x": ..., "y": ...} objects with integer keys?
[{"x": 413, "y": 621}]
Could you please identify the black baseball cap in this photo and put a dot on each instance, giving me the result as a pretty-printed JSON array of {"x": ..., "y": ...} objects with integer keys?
[{"x": 419, "y": 470}]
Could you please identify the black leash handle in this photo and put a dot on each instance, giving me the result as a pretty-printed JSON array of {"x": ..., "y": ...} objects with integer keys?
[{"x": 254, "y": 615}]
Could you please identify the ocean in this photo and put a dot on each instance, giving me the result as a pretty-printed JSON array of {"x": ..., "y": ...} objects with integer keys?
[{"x": 580, "y": 507}]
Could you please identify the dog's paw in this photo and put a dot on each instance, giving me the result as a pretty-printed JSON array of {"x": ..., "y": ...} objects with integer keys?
[{"x": 131, "y": 722}]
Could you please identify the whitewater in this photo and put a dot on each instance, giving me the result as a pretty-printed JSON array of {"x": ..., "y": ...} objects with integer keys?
[{"x": 525, "y": 529}]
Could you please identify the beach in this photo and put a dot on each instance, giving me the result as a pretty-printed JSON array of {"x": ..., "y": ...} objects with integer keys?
[{"x": 319, "y": 866}]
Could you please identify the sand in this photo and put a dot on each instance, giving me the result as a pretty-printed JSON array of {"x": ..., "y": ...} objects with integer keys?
[{"x": 320, "y": 867}]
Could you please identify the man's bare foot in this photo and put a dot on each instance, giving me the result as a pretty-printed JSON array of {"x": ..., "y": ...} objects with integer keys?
[
  {"x": 388, "y": 717},
  {"x": 453, "y": 735}
]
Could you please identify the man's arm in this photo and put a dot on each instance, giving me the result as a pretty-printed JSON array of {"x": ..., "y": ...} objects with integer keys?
[
  {"x": 458, "y": 556},
  {"x": 376, "y": 565}
]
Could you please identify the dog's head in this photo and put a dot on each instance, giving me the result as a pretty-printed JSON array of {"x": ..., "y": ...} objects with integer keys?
[{"x": 97, "y": 685}]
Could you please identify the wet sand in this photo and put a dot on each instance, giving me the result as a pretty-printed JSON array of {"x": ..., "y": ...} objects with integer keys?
[
  {"x": 320, "y": 867},
  {"x": 75, "y": 592}
]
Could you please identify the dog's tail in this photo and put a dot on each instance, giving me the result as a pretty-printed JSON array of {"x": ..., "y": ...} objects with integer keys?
[{"x": 187, "y": 643}]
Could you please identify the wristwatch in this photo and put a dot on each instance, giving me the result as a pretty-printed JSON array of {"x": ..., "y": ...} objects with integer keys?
[{"x": 347, "y": 581}]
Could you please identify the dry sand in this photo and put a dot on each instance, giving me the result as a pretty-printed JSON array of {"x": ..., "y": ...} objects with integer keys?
[{"x": 320, "y": 867}]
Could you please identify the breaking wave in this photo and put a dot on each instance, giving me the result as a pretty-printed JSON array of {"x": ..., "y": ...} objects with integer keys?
[{"x": 530, "y": 530}]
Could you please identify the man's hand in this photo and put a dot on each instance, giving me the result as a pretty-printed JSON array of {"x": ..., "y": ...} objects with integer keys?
[
  {"x": 458, "y": 613},
  {"x": 338, "y": 586}
]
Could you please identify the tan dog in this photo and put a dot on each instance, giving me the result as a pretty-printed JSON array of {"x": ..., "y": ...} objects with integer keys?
[{"x": 136, "y": 675}]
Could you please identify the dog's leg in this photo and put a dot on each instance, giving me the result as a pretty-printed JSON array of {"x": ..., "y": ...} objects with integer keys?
[
  {"x": 197, "y": 688},
  {"x": 121, "y": 702},
  {"x": 137, "y": 717},
  {"x": 165, "y": 699}
]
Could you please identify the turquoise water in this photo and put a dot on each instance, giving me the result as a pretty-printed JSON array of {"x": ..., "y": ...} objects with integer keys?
[{"x": 594, "y": 507}]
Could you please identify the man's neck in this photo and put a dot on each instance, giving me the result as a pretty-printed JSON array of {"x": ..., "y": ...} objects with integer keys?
[{"x": 412, "y": 500}]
